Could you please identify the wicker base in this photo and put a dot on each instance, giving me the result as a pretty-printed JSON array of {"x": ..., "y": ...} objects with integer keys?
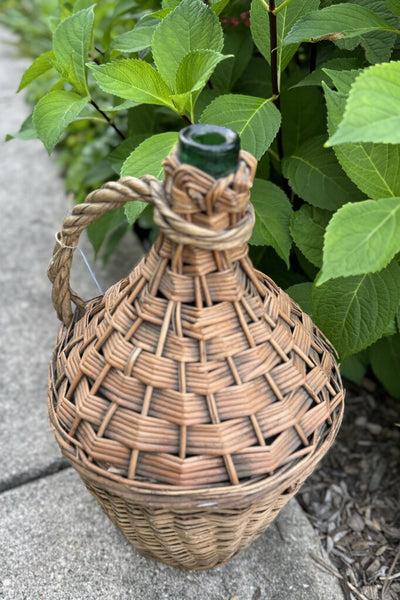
[{"x": 189, "y": 540}]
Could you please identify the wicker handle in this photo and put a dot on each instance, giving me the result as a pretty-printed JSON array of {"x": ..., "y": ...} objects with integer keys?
[{"x": 111, "y": 195}]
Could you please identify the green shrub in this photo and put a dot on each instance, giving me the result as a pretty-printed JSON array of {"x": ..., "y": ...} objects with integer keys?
[{"x": 313, "y": 89}]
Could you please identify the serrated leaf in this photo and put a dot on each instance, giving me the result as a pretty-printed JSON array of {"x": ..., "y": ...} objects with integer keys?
[
  {"x": 316, "y": 176},
  {"x": 336, "y": 64},
  {"x": 361, "y": 238},
  {"x": 307, "y": 229},
  {"x": 191, "y": 26},
  {"x": 146, "y": 159},
  {"x": 256, "y": 120},
  {"x": 353, "y": 312},
  {"x": 285, "y": 19},
  {"x": 195, "y": 69},
  {"x": 240, "y": 45},
  {"x": 54, "y": 112},
  {"x": 372, "y": 112},
  {"x": 71, "y": 43},
  {"x": 303, "y": 117},
  {"x": 385, "y": 361},
  {"x": 139, "y": 38},
  {"x": 132, "y": 79},
  {"x": 334, "y": 22},
  {"x": 301, "y": 293},
  {"x": 378, "y": 45},
  {"x": 342, "y": 80},
  {"x": 374, "y": 168},
  {"x": 273, "y": 213},
  {"x": 40, "y": 65}
]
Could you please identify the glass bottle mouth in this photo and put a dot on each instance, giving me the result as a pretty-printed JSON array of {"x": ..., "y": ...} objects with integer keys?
[{"x": 211, "y": 148}]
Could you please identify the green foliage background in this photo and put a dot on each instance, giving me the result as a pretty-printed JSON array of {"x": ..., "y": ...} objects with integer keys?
[{"x": 313, "y": 89}]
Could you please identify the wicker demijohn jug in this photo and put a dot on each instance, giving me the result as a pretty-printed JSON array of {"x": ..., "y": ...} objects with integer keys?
[{"x": 195, "y": 396}]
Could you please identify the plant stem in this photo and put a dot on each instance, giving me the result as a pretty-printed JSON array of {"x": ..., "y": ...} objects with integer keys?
[
  {"x": 273, "y": 50},
  {"x": 279, "y": 8},
  {"x": 107, "y": 118},
  {"x": 265, "y": 5},
  {"x": 186, "y": 119},
  {"x": 274, "y": 67}
]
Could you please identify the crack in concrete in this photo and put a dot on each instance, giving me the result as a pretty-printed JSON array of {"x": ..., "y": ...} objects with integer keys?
[{"x": 20, "y": 479}]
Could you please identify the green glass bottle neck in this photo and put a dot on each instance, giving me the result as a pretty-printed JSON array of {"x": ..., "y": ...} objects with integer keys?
[{"x": 211, "y": 148}]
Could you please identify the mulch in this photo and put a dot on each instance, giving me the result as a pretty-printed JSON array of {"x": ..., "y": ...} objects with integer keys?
[{"x": 353, "y": 498}]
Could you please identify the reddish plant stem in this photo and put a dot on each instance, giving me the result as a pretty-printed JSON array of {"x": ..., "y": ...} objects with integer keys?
[
  {"x": 107, "y": 118},
  {"x": 273, "y": 36}
]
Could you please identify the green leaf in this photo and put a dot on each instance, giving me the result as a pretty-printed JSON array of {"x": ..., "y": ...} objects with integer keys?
[
  {"x": 353, "y": 312},
  {"x": 336, "y": 64},
  {"x": 132, "y": 79},
  {"x": 372, "y": 112},
  {"x": 385, "y": 361},
  {"x": 27, "y": 131},
  {"x": 71, "y": 43},
  {"x": 119, "y": 155},
  {"x": 378, "y": 45},
  {"x": 147, "y": 159},
  {"x": 316, "y": 176},
  {"x": 394, "y": 7},
  {"x": 308, "y": 228},
  {"x": 285, "y": 19},
  {"x": 138, "y": 38},
  {"x": 195, "y": 69},
  {"x": 217, "y": 6},
  {"x": 273, "y": 213},
  {"x": 54, "y": 112},
  {"x": 256, "y": 120},
  {"x": 374, "y": 168},
  {"x": 354, "y": 368},
  {"x": 334, "y": 22},
  {"x": 256, "y": 79},
  {"x": 191, "y": 26},
  {"x": 361, "y": 238},
  {"x": 98, "y": 231},
  {"x": 240, "y": 45},
  {"x": 40, "y": 65},
  {"x": 143, "y": 119},
  {"x": 342, "y": 80},
  {"x": 303, "y": 117},
  {"x": 81, "y": 4},
  {"x": 301, "y": 293}
]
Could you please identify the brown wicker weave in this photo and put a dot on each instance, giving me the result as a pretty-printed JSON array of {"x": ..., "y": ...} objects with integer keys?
[{"x": 195, "y": 396}]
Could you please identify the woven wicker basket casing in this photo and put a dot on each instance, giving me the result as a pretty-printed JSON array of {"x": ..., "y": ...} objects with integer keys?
[{"x": 194, "y": 397}]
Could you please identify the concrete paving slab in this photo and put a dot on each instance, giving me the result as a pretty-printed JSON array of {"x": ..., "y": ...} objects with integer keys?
[
  {"x": 32, "y": 205},
  {"x": 58, "y": 545}
]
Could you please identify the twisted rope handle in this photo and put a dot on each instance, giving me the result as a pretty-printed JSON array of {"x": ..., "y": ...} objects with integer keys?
[
  {"x": 111, "y": 195},
  {"x": 149, "y": 189}
]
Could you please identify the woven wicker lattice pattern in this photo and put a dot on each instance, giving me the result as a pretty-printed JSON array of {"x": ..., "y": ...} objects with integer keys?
[{"x": 194, "y": 372}]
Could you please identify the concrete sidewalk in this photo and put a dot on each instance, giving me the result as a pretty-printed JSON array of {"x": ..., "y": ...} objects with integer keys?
[{"x": 55, "y": 541}]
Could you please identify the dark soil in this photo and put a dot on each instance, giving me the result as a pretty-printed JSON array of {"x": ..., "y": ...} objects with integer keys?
[{"x": 353, "y": 498}]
